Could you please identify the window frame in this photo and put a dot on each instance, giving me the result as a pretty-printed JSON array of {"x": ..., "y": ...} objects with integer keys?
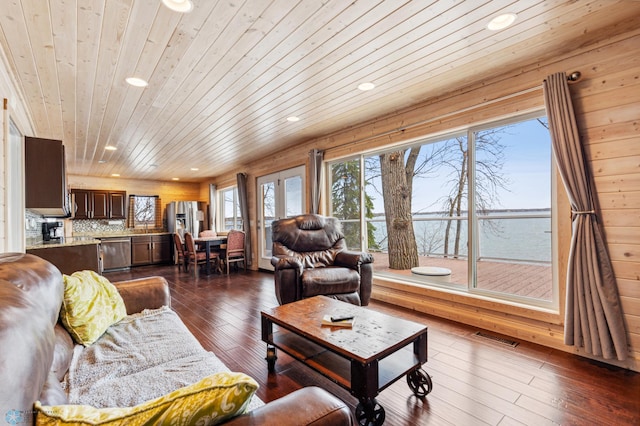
[
  {"x": 471, "y": 287},
  {"x": 220, "y": 213},
  {"x": 151, "y": 223}
]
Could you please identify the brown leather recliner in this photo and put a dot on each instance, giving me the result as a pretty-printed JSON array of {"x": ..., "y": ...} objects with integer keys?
[{"x": 311, "y": 258}]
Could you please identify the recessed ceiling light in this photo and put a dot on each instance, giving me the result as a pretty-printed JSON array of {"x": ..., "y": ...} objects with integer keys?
[
  {"x": 501, "y": 22},
  {"x": 137, "y": 82},
  {"x": 115, "y": 174},
  {"x": 293, "y": 118},
  {"x": 182, "y": 6},
  {"x": 175, "y": 178},
  {"x": 194, "y": 169},
  {"x": 110, "y": 148},
  {"x": 102, "y": 161},
  {"x": 366, "y": 86}
]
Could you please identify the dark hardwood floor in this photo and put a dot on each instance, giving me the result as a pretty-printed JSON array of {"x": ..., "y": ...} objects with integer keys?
[{"x": 476, "y": 380}]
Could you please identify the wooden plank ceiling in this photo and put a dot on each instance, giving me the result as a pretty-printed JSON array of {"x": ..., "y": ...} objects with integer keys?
[{"x": 224, "y": 78}]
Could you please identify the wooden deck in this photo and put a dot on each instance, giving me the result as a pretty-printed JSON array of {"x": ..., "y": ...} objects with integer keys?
[{"x": 528, "y": 280}]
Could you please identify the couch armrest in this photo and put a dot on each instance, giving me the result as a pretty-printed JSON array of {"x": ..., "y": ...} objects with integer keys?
[
  {"x": 352, "y": 259},
  {"x": 144, "y": 293},
  {"x": 286, "y": 262},
  {"x": 306, "y": 406}
]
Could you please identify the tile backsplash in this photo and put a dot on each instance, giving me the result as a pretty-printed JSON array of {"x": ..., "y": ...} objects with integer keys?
[
  {"x": 78, "y": 228},
  {"x": 92, "y": 226},
  {"x": 33, "y": 228}
]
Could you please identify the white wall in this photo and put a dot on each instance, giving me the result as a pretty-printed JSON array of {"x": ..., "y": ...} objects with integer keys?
[{"x": 11, "y": 108}]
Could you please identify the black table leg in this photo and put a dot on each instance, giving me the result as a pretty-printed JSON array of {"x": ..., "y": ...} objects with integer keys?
[{"x": 271, "y": 358}]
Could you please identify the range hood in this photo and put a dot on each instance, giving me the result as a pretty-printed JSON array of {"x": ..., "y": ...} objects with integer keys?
[{"x": 46, "y": 178}]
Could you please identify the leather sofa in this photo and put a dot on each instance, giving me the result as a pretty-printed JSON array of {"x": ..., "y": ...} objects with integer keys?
[
  {"x": 31, "y": 291},
  {"x": 310, "y": 258}
]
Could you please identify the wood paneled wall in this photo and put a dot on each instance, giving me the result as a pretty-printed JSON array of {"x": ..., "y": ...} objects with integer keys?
[
  {"x": 606, "y": 101},
  {"x": 167, "y": 191}
]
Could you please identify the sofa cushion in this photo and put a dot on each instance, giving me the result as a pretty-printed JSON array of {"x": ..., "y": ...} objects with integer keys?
[
  {"x": 62, "y": 352},
  {"x": 52, "y": 392},
  {"x": 30, "y": 297},
  {"x": 90, "y": 305},
  {"x": 212, "y": 400},
  {"x": 329, "y": 280},
  {"x": 141, "y": 358}
]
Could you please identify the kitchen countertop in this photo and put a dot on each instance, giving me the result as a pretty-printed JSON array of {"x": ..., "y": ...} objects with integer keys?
[
  {"x": 125, "y": 235},
  {"x": 90, "y": 239},
  {"x": 73, "y": 241}
]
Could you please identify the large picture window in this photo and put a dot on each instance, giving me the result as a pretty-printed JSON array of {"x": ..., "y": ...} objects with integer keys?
[{"x": 469, "y": 211}]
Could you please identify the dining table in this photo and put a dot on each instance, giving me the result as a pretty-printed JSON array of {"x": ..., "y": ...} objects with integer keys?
[{"x": 208, "y": 243}]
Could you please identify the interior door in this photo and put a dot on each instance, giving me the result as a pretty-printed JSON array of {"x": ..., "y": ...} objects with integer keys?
[{"x": 279, "y": 195}]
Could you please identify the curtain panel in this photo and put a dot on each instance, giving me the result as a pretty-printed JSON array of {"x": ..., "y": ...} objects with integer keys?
[
  {"x": 213, "y": 205},
  {"x": 244, "y": 211},
  {"x": 593, "y": 318},
  {"x": 315, "y": 160},
  {"x": 131, "y": 210},
  {"x": 158, "y": 213}
]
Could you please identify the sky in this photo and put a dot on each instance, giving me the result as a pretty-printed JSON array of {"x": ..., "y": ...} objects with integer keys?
[{"x": 526, "y": 168}]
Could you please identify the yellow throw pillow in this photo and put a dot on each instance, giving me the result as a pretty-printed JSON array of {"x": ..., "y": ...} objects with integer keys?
[
  {"x": 212, "y": 400},
  {"x": 90, "y": 305}
]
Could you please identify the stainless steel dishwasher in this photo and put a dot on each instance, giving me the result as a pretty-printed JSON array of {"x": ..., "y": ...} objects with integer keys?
[{"x": 116, "y": 253}]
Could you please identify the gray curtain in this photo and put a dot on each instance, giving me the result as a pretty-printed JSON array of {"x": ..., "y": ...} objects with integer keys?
[
  {"x": 244, "y": 211},
  {"x": 594, "y": 319},
  {"x": 315, "y": 160},
  {"x": 213, "y": 205}
]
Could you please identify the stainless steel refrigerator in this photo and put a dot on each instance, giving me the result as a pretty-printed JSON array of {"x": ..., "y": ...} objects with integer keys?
[{"x": 182, "y": 217}]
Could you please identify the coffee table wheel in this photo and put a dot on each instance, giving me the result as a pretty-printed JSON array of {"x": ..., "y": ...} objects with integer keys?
[
  {"x": 271, "y": 358},
  {"x": 369, "y": 413},
  {"x": 419, "y": 382}
]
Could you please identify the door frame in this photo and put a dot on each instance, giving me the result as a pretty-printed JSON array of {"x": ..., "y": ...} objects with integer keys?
[{"x": 278, "y": 178}]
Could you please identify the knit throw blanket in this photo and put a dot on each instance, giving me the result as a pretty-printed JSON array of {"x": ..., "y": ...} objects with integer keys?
[{"x": 142, "y": 357}]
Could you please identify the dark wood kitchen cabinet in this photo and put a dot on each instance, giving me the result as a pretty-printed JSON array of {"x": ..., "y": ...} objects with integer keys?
[
  {"x": 71, "y": 258},
  {"x": 150, "y": 249},
  {"x": 46, "y": 191},
  {"x": 80, "y": 204},
  {"x": 98, "y": 204},
  {"x": 117, "y": 204}
]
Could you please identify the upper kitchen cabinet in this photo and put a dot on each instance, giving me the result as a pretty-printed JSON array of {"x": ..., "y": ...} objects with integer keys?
[
  {"x": 45, "y": 177},
  {"x": 117, "y": 204},
  {"x": 99, "y": 204}
]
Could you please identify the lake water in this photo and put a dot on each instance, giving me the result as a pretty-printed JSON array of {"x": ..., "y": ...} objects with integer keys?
[{"x": 511, "y": 235}]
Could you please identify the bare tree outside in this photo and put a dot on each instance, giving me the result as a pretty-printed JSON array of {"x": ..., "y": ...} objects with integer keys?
[
  {"x": 145, "y": 210},
  {"x": 398, "y": 172},
  {"x": 429, "y": 240},
  {"x": 488, "y": 179},
  {"x": 401, "y": 169}
]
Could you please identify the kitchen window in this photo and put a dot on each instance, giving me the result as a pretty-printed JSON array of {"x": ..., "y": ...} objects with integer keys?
[{"x": 144, "y": 212}]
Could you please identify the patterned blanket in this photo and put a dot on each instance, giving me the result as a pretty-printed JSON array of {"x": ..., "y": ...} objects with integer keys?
[{"x": 142, "y": 357}]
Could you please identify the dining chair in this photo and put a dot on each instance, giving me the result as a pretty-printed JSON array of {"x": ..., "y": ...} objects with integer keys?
[
  {"x": 181, "y": 255},
  {"x": 195, "y": 257},
  {"x": 235, "y": 249},
  {"x": 207, "y": 233}
]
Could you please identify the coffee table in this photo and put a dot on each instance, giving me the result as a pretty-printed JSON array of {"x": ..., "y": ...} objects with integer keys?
[{"x": 377, "y": 351}]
